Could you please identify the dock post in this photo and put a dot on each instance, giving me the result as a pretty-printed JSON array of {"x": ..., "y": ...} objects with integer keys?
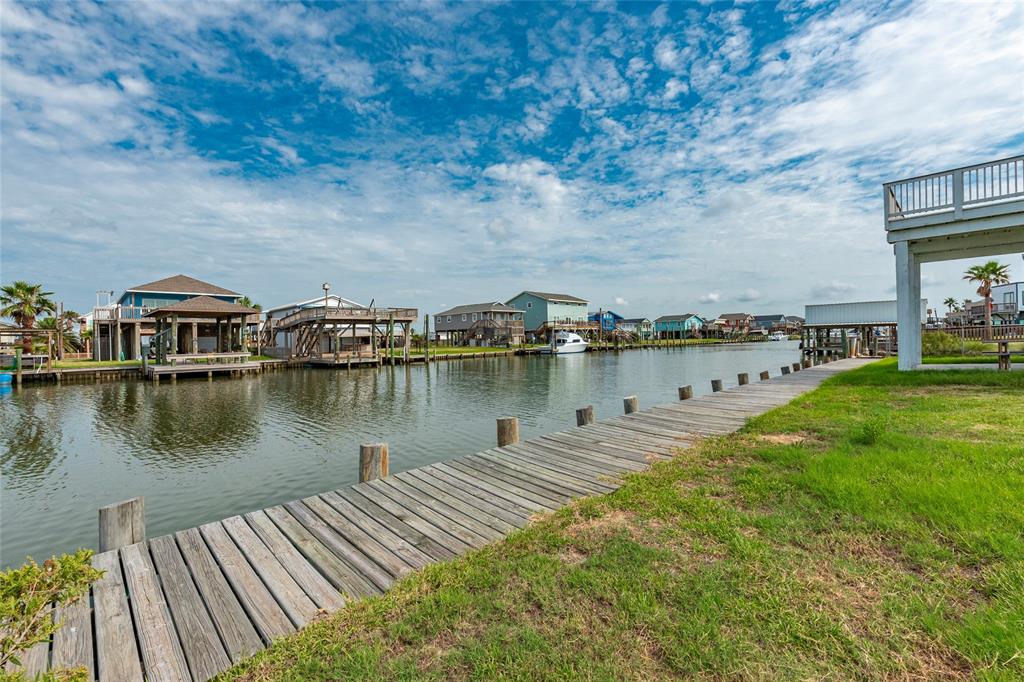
[
  {"x": 373, "y": 461},
  {"x": 685, "y": 392},
  {"x": 785, "y": 369},
  {"x": 508, "y": 431},
  {"x": 764, "y": 375},
  {"x": 716, "y": 385},
  {"x": 426, "y": 341},
  {"x": 806, "y": 363},
  {"x": 743, "y": 378},
  {"x": 122, "y": 524},
  {"x": 585, "y": 415},
  {"x": 796, "y": 366},
  {"x": 630, "y": 404}
]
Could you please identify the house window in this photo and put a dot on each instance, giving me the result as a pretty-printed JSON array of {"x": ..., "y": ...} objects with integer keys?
[
  {"x": 474, "y": 317},
  {"x": 463, "y": 317},
  {"x": 448, "y": 318}
]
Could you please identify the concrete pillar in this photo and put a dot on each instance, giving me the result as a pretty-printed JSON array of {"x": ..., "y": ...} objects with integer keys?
[{"x": 908, "y": 307}]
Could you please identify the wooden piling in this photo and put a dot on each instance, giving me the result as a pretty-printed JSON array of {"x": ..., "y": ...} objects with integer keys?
[
  {"x": 585, "y": 415},
  {"x": 508, "y": 431},
  {"x": 122, "y": 524},
  {"x": 373, "y": 461},
  {"x": 796, "y": 366},
  {"x": 743, "y": 378},
  {"x": 630, "y": 404},
  {"x": 785, "y": 369},
  {"x": 685, "y": 392},
  {"x": 716, "y": 385},
  {"x": 764, "y": 375}
]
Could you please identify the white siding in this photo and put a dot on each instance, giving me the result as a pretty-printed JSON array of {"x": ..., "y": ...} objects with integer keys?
[{"x": 851, "y": 314}]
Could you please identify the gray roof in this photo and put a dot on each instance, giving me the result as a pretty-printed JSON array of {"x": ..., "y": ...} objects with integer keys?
[
  {"x": 553, "y": 297},
  {"x": 766, "y": 318},
  {"x": 734, "y": 316},
  {"x": 635, "y": 320},
  {"x": 676, "y": 318},
  {"x": 183, "y": 284},
  {"x": 478, "y": 308}
]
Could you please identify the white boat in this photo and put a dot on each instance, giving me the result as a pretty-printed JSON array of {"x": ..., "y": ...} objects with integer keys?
[
  {"x": 777, "y": 336},
  {"x": 565, "y": 343}
]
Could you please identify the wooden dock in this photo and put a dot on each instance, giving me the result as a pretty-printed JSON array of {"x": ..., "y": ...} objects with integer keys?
[{"x": 189, "y": 605}]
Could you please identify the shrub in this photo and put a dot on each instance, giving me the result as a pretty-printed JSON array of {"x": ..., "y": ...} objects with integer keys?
[
  {"x": 869, "y": 431},
  {"x": 26, "y": 595},
  {"x": 944, "y": 343}
]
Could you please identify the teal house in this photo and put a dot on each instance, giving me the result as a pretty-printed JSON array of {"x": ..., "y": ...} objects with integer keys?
[
  {"x": 541, "y": 309},
  {"x": 679, "y": 326}
]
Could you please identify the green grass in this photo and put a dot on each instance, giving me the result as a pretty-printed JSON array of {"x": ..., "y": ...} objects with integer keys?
[
  {"x": 86, "y": 364},
  {"x": 870, "y": 529},
  {"x": 968, "y": 359}
]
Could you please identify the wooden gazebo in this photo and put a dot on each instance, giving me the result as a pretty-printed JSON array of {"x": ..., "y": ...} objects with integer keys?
[{"x": 181, "y": 325}]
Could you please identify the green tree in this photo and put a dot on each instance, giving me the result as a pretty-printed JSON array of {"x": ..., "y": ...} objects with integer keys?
[
  {"x": 986, "y": 276},
  {"x": 23, "y": 302},
  {"x": 950, "y": 304},
  {"x": 247, "y": 302},
  {"x": 71, "y": 341}
]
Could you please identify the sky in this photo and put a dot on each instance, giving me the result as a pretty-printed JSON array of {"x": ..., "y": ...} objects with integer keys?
[{"x": 651, "y": 158}]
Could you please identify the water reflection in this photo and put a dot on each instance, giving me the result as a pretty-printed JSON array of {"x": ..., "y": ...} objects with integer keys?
[{"x": 201, "y": 450}]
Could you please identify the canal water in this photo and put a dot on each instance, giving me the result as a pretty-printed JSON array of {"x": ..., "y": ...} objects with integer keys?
[{"x": 203, "y": 450}]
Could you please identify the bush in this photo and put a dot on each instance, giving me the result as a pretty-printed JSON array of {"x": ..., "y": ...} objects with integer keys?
[
  {"x": 869, "y": 431},
  {"x": 26, "y": 595},
  {"x": 944, "y": 343}
]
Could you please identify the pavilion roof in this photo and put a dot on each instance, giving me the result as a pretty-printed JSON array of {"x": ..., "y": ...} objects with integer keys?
[{"x": 202, "y": 306}]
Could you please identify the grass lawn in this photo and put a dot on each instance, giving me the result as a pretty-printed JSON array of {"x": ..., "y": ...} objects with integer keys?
[
  {"x": 86, "y": 364},
  {"x": 968, "y": 359},
  {"x": 872, "y": 528}
]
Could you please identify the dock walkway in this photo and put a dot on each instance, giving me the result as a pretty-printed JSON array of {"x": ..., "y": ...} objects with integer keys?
[{"x": 189, "y": 605}]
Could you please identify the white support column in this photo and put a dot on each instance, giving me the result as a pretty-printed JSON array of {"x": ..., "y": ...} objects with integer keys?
[{"x": 908, "y": 306}]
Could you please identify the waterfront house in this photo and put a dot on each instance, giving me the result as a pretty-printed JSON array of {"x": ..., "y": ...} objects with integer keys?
[
  {"x": 640, "y": 327},
  {"x": 1007, "y": 303},
  {"x": 480, "y": 324},
  {"x": 199, "y": 324},
  {"x": 333, "y": 328},
  {"x": 120, "y": 329},
  {"x": 687, "y": 325},
  {"x": 766, "y": 324},
  {"x": 735, "y": 324},
  {"x": 544, "y": 311},
  {"x": 608, "y": 319}
]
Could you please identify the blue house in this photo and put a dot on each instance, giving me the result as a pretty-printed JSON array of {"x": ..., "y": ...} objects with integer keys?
[
  {"x": 679, "y": 326},
  {"x": 609, "y": 320},
  {"x": 121, "y": 330},
  {"x": 542, "y": 310}
]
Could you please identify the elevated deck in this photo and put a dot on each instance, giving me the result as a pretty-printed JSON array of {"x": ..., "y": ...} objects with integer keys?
[
  {"x": 966, "y": 212},
  {"x": 187, "y": 606}
]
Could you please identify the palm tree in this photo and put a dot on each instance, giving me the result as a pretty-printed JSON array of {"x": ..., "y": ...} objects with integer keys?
[
  {"x": 71, "y": 341},
  {"x": 950, "y": 304},
  {"x": 988, "y": 275},
  {"x": 247, "y": 302},
  {"x": 23, "y": 302}
]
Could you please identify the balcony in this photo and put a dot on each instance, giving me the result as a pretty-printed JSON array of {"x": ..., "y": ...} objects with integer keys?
[
  {"x": 987, "y": 190},
  {"x": 120, "y": 313}
]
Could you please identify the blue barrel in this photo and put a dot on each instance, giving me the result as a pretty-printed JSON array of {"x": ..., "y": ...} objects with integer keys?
[{"x": 5, "y": 379}]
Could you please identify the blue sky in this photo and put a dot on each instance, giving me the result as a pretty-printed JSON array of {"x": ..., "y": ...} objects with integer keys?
[{"x": 653, "y": 158}]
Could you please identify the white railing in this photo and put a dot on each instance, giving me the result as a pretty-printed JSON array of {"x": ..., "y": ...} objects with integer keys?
[
  {"x": 120, "y": 312},
  {"x": 953, "y": 190},
  {"x": 347, "y": 315}
]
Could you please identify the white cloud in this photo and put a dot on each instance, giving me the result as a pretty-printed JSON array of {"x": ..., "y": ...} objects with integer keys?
[
  {"x": 621, "y": 301},
  {"x": 711, "y": 297},
  {"x": 749, "y": 295},
  {"x": 675, "y": 87}
]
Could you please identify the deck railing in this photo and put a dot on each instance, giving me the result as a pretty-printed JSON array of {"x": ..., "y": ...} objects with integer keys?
[
  {"x": 348, "y": 314},
  {"x": 1000, "y": 332},
  {"x": 953, "y": 190},
  {"x": 120, "y": 312}
]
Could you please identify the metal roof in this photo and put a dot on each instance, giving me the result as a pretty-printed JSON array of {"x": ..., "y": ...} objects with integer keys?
[
  {"x": 203, "y": 306},
  {"x": 552, "y": 297},
  {"x": 496, "y": 306}
]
